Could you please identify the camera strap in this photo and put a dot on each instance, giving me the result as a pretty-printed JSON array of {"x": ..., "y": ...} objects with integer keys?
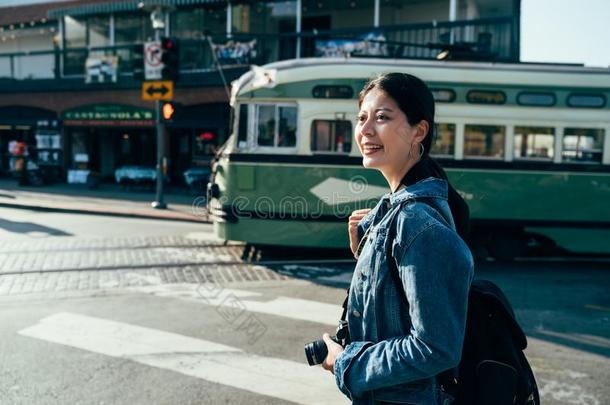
[{"x": 344, "y": 314}]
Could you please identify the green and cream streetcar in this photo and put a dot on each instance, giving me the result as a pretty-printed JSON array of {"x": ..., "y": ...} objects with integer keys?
[{"x": 526, "y": 145}]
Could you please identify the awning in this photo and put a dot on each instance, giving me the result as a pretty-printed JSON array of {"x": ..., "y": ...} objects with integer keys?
[
  {"x": 26, "y": 116},
  {"x": 122, "y": 6}
]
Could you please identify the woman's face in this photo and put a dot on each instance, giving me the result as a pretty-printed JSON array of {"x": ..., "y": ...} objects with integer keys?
[{"x": 384, "y": 135}]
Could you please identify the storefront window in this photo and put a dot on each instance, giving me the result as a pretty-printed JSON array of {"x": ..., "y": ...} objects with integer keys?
[
  {"x": 484, "y": 141},
  {"x": 76, "y": 32},
  {"x": 264, "y": 18},
  {"x": 80, "y": 152},
  {"x": 332, "y": 15},
  {"x": 444, "y": 142},
  {"x": 98, "y": 29},
  {"x": 205, "y": 142},
  {"x": 215, "y": 20},
  {"x": 583, "y": 145},
  {"x": 87, "y": 31},
  {"x": 131, "y": 28},
  {"x": 326, "y": 15},
  {"x": 193, "y": 23},
  {"x": 125, "y": 144},
  {"x": 534, "y": 142},
  {"x": 394, "y": 12},
  {"x": 188, "y": 24}
]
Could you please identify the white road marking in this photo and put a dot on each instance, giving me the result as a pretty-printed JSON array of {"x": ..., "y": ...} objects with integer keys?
[
  {"x": 203, "y": 236},
  {"x": 581, "y": 338},
  {"x": 216, "y": 295},
  {"x": 299, "y": 309},
  {"x": 566, "y": 392},
  {"x": 284, "y": 379}
]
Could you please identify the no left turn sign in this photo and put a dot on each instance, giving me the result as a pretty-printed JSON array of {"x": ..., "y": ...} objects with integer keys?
[{"x": 152, "y": 60}]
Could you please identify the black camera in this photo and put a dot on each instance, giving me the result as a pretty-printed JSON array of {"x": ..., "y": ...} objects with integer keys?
[{"x": 317, "y": 351}]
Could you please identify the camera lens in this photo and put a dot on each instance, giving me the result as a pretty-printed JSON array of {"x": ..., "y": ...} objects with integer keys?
[{"x": 316, "y": 352}]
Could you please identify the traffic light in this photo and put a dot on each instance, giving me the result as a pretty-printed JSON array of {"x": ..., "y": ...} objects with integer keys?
[
  {"x": 137, "y": 61},
  {"x": 167, "y": 111},
  {"x": 170, "y": 48}
]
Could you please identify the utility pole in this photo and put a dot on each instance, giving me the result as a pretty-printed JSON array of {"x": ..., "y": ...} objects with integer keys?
[
  {"x": 159, "y": 125},
  {"x": 158, "y": 11}
]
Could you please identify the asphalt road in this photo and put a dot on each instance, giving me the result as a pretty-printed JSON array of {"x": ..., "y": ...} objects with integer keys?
[{"x": 123, "y": 311}]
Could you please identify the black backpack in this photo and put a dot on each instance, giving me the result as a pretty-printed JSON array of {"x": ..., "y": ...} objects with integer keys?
[{"x": 493, "y": 369}]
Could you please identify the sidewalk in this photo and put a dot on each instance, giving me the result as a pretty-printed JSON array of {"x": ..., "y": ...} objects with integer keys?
[{"x": 109, "y": 199}]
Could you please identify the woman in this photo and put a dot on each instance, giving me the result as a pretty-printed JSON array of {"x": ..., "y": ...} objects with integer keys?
[{"x": 397, "y": 350}]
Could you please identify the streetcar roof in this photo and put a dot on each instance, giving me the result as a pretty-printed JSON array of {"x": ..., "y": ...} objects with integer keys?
[
  {"x": 549, "y": 67},
  {"x": 527, "y": 74}
]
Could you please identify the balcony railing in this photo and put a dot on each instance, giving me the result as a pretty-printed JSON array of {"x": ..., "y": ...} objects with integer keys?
[{"x": 486, "y": 39}]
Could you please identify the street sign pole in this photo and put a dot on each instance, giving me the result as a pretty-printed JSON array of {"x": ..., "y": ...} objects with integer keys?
[{"x": 159, "y": 203}]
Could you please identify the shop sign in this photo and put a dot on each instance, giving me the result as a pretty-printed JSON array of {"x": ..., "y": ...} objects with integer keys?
[{"x": 108, "y": 115}]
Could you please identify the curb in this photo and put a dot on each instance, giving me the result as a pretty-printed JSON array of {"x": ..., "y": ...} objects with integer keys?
[{"x": 123, "y": 214}]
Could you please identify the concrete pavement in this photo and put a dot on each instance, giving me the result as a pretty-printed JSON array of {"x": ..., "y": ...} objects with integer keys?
[{"x": 108, "y": 199}]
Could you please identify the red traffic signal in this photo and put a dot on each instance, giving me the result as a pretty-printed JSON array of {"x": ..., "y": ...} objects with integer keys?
[
  {"x": 170, "y": 56},
  {"x": 167, "y": 43}
]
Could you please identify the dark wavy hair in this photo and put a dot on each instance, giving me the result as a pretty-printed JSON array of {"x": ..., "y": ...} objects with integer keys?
[{"x": 416, "y": 101}]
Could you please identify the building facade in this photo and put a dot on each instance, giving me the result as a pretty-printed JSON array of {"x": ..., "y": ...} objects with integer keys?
[{"x": 68, "y": 90}]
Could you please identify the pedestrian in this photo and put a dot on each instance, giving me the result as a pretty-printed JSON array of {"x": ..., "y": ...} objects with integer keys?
[{"x": 397, "y": 350}]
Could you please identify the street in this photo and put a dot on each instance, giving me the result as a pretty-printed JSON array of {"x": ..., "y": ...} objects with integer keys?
[{"x": 106, "y": 310}]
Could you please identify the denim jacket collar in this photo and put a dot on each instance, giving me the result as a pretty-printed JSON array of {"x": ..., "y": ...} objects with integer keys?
[{"x": 431, "y": 187}]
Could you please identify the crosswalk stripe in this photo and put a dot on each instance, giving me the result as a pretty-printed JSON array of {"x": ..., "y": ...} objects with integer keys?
[
  {"x": 231, "y": 366},
  {"x": 288, "y": 307}
]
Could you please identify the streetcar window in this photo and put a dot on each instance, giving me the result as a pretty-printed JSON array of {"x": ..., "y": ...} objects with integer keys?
[
  {"x": 266, "y": 125},
  {"x": 534, "y": 142},
  {"x": 536, "y": 99},
  {"x": 276, "y": 125},
  {"x": 582, "y": 145},
  {"x": 484, "y": 141},
  {"x": 331, "y": 136},
  {"x": 444, "y": 140},
  {"x": 586, "y": 100},
  {"x": 287, "y": 135},
  {"x": 486, "y": 97},
  {"x": 242, "y": 126},
  {"x": 443, "y": 95},
  {"x": 333, "y": 92}
]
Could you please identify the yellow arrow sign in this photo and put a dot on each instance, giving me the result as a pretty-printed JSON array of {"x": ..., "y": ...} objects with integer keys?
[{"x": 158, "y": 90}]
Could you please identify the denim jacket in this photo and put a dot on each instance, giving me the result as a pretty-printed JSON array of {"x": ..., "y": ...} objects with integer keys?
[{"x": 396, "y": 353}]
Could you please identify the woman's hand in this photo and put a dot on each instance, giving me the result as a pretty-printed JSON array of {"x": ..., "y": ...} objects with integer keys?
[
  {"x": 334, "y": 350},
  {"x": 354, "y": 219}
]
